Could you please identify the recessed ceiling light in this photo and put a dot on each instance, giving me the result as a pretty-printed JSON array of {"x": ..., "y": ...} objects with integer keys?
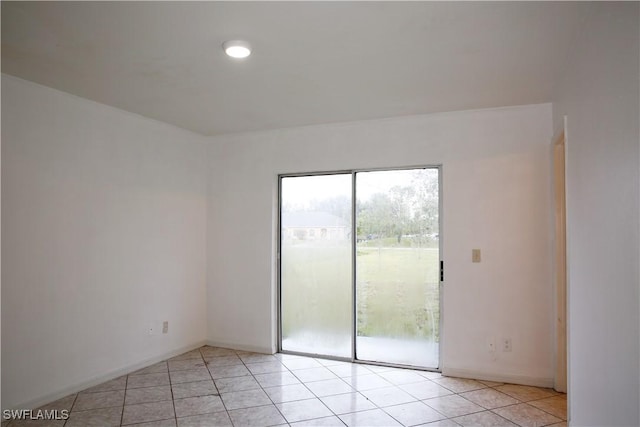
[{"x": 237, "y": 48}]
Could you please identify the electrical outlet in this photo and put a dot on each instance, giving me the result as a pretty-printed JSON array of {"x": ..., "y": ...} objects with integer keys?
[
  {"x": 491, "y": 345},
  {"x": 475, "y": 255},
  {"x": 151, "y": 328},
  {"x": 506, "y": 344},
  {"x": 165, "y": 327}
]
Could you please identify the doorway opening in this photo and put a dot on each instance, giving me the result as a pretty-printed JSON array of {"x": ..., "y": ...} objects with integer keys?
[{"x": 360, "y": 266}]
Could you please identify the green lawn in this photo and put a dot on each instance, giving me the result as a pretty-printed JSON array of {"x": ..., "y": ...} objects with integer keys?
[
  {"x": 397, "y": 289},
  {"x": 397, "y": 292}
]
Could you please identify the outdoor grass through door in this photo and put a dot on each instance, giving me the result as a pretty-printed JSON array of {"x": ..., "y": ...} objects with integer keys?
[{"x": 359, "y": 265}]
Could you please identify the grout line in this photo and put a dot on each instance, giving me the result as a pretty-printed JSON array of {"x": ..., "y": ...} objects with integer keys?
[
  {"x": 70, "y": 409},
  {"x": 173, "y": 401},
  {"x": 219, "y": 394},
  {"x": 126, "y": 383}
]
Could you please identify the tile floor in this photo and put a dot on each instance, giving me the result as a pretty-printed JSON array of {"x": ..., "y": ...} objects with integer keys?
[{"x": 221, "y": 387}]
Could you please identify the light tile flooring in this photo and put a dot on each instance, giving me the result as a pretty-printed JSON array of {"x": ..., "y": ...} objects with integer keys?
[{"x": 221, "y": 387}]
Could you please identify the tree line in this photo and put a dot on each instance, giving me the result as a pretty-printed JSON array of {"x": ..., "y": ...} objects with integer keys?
[{"x": 409, "y": 210}]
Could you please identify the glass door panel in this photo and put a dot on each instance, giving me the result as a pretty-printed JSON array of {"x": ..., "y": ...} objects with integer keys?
[
  {"x": 398, "y": 267},
  {"x": 316, "y": 273}
]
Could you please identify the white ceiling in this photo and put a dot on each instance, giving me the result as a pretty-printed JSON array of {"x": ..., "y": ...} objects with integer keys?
[{"x": 313, "y": 62}]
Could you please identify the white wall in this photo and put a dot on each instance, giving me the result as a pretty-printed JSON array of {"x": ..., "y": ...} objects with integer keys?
[
  {"x": 496, "y": 195},
  {"x": 599, "y": 94},
  {"x": 103, "y": 230}
]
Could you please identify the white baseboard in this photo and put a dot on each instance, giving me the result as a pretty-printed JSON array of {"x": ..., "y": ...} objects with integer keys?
[
  {"x": 75, "y": 388},
  {"x": 243, "y": 347},
  {"x": 497, "y": 377}
]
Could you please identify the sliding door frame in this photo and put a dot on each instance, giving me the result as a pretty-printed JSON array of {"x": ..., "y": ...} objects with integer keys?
[{"x": 354, "y": 331}]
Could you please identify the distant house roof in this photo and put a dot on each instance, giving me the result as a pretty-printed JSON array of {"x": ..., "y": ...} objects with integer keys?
[{"x": 312, "y": 220}]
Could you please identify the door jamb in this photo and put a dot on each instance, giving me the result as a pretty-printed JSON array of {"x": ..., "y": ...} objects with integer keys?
[{"x": 560, "y": 258}]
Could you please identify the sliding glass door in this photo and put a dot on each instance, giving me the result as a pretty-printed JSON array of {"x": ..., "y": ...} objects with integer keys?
[
  {"x": 360, "y": 265},
  {"x": 315, "y": 264}
]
